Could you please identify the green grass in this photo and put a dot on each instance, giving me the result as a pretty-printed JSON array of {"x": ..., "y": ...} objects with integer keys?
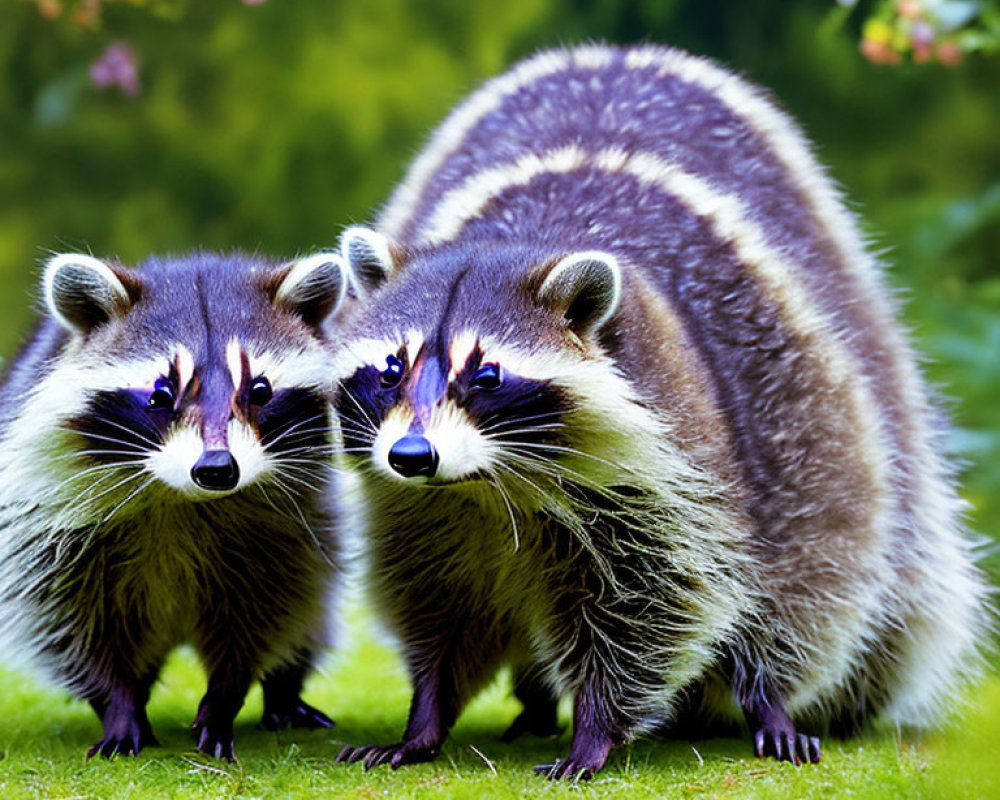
[{"x": 44, "y": 737}]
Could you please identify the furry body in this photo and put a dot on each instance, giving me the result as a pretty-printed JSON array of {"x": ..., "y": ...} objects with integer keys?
[
  {"x": 708, "y": 480},
  {"x": 163, "y": 452}
]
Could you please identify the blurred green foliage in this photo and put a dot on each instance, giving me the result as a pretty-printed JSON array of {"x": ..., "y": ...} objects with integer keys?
[{"x": 273, "y": 125}]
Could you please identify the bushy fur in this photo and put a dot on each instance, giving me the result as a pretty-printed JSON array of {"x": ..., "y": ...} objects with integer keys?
[
  {"x": 632, "y": 410},
  {"x": 114, "y": 548}
]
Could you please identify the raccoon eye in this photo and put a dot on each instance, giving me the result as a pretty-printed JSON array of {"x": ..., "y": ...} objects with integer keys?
[
  {"x": 260, "y": 392},
  {"x": 487, "y": 377},
  {"x": 162, "y": 398},
  {"x": 392, "y": 374}
]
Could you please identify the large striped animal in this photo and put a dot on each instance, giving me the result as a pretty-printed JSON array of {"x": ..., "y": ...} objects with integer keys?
[
  {"x": 632, "y": 412},
  {"x": 164, "y": 463}
]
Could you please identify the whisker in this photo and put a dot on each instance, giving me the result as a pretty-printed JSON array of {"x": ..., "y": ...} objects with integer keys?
[
  {"x": 555, "y": 470},
  {"x": 356, "y": 428},
  {"x": 108, "y": 468},
  {"x": 495, "y": 483},
  {"x": 500, "y": 433},
  {"x": 279, "y": 485},
  {"x": 88, "y": 501},
  {"x": 80, "y": 453},
  {"x": 555, "y": 448},
  {"x": 293, "y": 425},
  {"x": 301, "y": 481},
  {"x": 538, "y": 489},
  {"x": 119, "y": 426},
  {"x": 357, "y": 404},
  {"x": 127, "y": 499},
  {"x": 485, "y": 426},
  {"x": 112, "y": 440}
]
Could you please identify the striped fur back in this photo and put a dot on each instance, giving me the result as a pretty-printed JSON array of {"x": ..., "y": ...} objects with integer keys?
[
  {"x": 734, "y": 236},
  {"x": 633, "y": 412}
]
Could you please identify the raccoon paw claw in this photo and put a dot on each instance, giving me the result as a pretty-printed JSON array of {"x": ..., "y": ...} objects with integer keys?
[
  {"x": 541, "y": 725},
  {"x": 127, "y": 739},
  {"x": 215, "y": 742},
  {"x": 568, "y": 768},
  {"x": 784, "y": 744},
  {"x": 299, "y": 715},
  {"x": 395, "y": 755}
]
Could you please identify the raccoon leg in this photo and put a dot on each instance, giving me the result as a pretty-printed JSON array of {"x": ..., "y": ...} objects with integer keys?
[
  {"x": 540, "y": 703},
  {"x": 595, "y": 732},
  {"x": 283, "y": 704},
  {"x": 123, "y": 715},
  {"x": 213, "y": 726},
  {"x": 774, "y": 733},
  {"x": 446, "y": 669},
  {"x": 433, "y": 711}
]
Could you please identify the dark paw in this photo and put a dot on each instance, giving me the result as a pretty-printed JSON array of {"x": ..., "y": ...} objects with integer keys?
[
  {"x": 784, "y": 744},
  {"x": 300, "y": 715},
  {"x": 570, "y": 769},
  {"x": 395, "y": 755},
  {"x": 541, "y": 725},
  {"x": 126, "y": 737},
  {"x": 127, "y": 745},
  {"x": 214, "y": 740},
  {"x": 582, "y": 763}
]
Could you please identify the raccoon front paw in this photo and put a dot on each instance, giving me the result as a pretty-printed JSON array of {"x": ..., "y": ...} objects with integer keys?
[
  {"x": 124, "y": 735},
  {"x": 298, "y": 715},
  {"x": 214, "y": 737},
  {"x": 127, "y": 744},
  {"x": 780, "y": 741},
  {"x": 217, "y": 742},
  {"x": 395, "y": 755},
  {"x": 571, "y": 769},
  {"x": 583, "y": 762}
]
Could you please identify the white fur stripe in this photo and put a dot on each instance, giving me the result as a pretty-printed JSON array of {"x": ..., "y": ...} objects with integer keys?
[
  {"x": 451, "y": 133},
  {"x": 467, "y": 202}
]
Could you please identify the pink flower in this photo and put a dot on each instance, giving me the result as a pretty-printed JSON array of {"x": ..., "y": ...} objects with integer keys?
[{"x": 117, "y": 66}]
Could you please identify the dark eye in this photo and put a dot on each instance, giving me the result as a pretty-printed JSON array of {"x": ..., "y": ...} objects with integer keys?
[
  {"x": 162, "y": 398},
  {"x": 260, "y": 392},
  {"x": 487, "y": 377},
  {"x": 392, "y": 374}
]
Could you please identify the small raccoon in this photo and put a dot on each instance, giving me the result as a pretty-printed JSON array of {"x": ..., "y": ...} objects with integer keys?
[
  {"x": 632, "y": 413},
  {"x": 164, "y": 451}
]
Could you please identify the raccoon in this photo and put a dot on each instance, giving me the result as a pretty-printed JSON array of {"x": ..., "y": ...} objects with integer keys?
[
  {"x": 632, "y": 413},
  {"x": 164, "y": 458}
]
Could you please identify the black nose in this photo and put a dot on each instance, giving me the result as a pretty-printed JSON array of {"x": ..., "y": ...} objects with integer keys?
[
  {"x": 412, "y": 456},
  {"x": 216, "y": 470}
]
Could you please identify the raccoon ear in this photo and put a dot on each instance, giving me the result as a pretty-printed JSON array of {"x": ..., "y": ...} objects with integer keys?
[
  {"x": 585, "y": 288},
  {"x": 368, "y": 255},
  {"x": 311, "y": 287},
  {"x": 82, "y": 292}
]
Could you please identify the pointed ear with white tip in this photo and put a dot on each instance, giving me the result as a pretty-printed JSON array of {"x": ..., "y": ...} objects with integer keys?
[
  {"x": 82, "y": 292},
  {"x": 585, "y": 288},
  {"x": 312, "y": 287},
  {"x": 368, "y": 255}
]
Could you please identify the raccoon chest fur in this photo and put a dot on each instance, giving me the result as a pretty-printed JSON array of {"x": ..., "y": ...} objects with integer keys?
[{"x": 470, "y": 547}]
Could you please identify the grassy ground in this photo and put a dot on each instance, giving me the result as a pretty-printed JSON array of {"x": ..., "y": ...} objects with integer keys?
[{"x": 44, "y": 737}]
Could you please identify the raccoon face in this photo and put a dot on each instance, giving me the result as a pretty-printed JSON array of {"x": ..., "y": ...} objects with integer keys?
[
  {"x": 205, "y": 374},
  {"x": 480, "y": 381}
]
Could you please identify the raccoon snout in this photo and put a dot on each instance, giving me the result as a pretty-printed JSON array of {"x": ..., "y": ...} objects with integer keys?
[
  {"x": 216, "y": 470},
  {"x": 413, "y": 456}
]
